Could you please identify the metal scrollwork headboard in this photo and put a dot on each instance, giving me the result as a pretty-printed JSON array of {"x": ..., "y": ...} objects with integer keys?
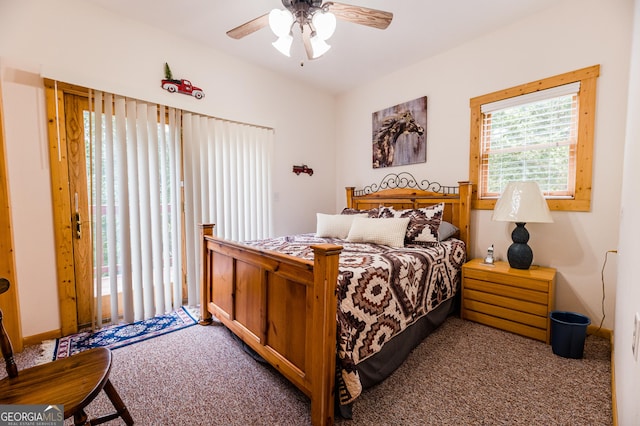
[{"x": 406, "y": 180}]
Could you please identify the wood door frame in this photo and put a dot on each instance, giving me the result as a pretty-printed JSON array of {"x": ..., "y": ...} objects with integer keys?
[
  {"x": 61, "y": 200},
  {"x": 8, "y": 300}
]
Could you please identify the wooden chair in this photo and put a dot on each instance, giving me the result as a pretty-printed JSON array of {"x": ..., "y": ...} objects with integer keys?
[{"x": 73, "y": 382}]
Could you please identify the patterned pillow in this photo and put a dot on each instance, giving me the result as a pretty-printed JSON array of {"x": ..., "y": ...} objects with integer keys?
[
  {"x": 386, "y": 212},
  {"x": 371, "y": 212},
  {"x": 423, "y": 224},
  {"x": 390, "y": 232},
  {"x": 334, "y": 225}
]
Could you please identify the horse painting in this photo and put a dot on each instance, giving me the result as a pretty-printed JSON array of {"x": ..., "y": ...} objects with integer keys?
[{"x": 399, "y": 139}]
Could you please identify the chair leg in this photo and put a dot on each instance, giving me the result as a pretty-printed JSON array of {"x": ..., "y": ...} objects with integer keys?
[
  {"x": 118, "y": 403},
  {"x": 80, "y": 418}
]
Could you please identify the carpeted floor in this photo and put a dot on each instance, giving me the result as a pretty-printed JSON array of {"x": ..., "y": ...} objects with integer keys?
[{"x": 463, "y": 374}]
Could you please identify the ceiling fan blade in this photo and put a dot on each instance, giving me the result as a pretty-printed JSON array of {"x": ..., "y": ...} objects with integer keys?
[
  {"x": 361, "y": 15},
  {"x": 249, "y": 27}
]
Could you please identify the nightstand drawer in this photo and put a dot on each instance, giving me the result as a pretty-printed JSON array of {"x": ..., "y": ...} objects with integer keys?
[
  {"x": 505, "y": 313},
  {"x": 505, "y": 301},
  {"x": 506, "y": 290},
  {"x": 513, "y": 327},
  {"x": 511, "y": 299},
  {"x": 508, "y": 279}
]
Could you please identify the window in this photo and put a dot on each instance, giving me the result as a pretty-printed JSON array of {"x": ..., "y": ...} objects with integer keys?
[{"x": 540, "y": 131}]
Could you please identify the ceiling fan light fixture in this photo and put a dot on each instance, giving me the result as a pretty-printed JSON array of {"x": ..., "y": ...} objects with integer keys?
[
  {"x": 318, "y": 46},
  {"x": 280, "y": 22},
  {"x": 283, "y": 44},
  {"x": 324, "y": 23},
  {"x": 316, "y": 20}
]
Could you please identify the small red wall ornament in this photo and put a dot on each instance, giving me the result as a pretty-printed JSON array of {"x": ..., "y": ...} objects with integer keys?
[
  {"x": 303, "y": 169},
  {"x": 179, "y": 85}
]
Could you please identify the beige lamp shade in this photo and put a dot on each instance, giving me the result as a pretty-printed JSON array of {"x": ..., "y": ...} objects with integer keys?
[{"x": 522, "y": 202}]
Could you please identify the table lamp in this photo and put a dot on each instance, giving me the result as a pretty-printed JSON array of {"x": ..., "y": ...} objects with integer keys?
[{"x": 521, "y": 202}]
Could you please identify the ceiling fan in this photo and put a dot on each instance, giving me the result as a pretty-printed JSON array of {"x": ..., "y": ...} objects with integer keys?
[{"x": 316, "y": 21}]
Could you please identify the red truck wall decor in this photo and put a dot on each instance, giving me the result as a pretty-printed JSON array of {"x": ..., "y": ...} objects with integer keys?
[
  {"x": 179, "y": 85},
  {"x": 182, "y": 86},
  {"x": 303, "y": 169}
]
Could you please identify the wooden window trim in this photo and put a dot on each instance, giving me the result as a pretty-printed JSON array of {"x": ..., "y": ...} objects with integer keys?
[
  {"x": 54, "y": 98},
  {"x": 586, "y": 122}
]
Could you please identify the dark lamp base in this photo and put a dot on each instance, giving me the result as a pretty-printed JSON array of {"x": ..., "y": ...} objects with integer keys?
[{"x": 519, "y": 253}]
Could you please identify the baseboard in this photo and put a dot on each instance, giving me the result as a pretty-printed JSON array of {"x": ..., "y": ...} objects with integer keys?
[
  {"x": 608, "y": 334},
  {"x": 36, "y": 339},
  {"x": 614, "y": 404},
  {"x": 600, "y": 332}
]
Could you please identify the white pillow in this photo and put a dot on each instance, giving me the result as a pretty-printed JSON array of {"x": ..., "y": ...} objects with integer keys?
[
  {"x": 387, "y": 231},
  {"x": 334, "y": 225}
]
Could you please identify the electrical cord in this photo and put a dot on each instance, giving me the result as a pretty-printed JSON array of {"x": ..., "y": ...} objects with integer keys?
[{"x": 604, "y": 264}]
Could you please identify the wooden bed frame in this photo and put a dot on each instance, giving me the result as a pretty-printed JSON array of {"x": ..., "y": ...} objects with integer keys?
[{"x": 285, "y": 307}]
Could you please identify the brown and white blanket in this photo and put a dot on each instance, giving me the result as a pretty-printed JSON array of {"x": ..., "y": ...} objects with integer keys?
[{"x": 381, "y": 291}]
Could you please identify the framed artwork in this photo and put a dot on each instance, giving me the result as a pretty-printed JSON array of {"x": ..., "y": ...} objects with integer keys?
[{"x": 400, "y": 134}]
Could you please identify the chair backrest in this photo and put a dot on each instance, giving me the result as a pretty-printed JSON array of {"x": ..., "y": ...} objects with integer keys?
[{"x": 5, "y": 343}]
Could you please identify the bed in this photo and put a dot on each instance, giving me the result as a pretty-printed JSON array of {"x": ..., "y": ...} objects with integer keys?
[{"x": 285, "y": 297}]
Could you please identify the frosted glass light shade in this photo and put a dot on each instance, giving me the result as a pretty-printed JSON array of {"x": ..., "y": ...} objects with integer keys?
[
  {"x": 522, "y": 202},
  {"x": 324, "y": 24},
  {"x": 319, "y": 46},
  {"x": 283, "y": 44},
  {"x": 280, "y": 22}
]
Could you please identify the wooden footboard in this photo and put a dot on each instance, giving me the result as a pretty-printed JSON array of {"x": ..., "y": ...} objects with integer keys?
[{"x": 283, "y": 307}]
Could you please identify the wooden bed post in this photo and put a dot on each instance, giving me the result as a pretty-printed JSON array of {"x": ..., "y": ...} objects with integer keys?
[
  {"x": 323, "y": 341},
  {"x": 464, "y": 191},
  {"x": 206, "y": 229},
  {"x": 350, "y": 190}
]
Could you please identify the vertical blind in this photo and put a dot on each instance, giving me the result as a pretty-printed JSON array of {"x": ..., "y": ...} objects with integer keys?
[
  {"x": 136, "y": 160},
  {"x": 227, "y": 182},
  {"x": 531, "y": 137},
  {"x": 140, "y": 154}
]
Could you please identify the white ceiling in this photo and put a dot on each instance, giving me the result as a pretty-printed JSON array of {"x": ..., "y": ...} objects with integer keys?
[{"x": 420, "y": 29}]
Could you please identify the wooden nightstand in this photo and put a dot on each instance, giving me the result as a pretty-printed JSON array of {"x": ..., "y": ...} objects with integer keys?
[{"x": 514, "y": 300}]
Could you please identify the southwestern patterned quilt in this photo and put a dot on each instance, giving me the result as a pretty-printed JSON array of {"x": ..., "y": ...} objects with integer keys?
[{"x": 381, "y": 291}]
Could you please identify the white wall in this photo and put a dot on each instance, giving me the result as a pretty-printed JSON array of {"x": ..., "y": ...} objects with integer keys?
[
  {"x": 75, "y": 42},
  {"x": 627, "y": 368},
  {"x": 30, "y": 194},
  {"x": 569, "y": 36}
]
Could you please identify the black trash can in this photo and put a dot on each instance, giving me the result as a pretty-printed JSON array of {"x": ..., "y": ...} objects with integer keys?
[{"x": 568, "y": 332}]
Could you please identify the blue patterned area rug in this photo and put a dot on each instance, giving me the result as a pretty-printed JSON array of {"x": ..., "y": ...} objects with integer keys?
[{"x": 117, "y": 336}]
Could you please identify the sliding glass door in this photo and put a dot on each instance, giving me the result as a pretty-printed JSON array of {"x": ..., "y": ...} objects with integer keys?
[
  {"x": 127, "y": 201},
  {"x": 119, "y": 221}
]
